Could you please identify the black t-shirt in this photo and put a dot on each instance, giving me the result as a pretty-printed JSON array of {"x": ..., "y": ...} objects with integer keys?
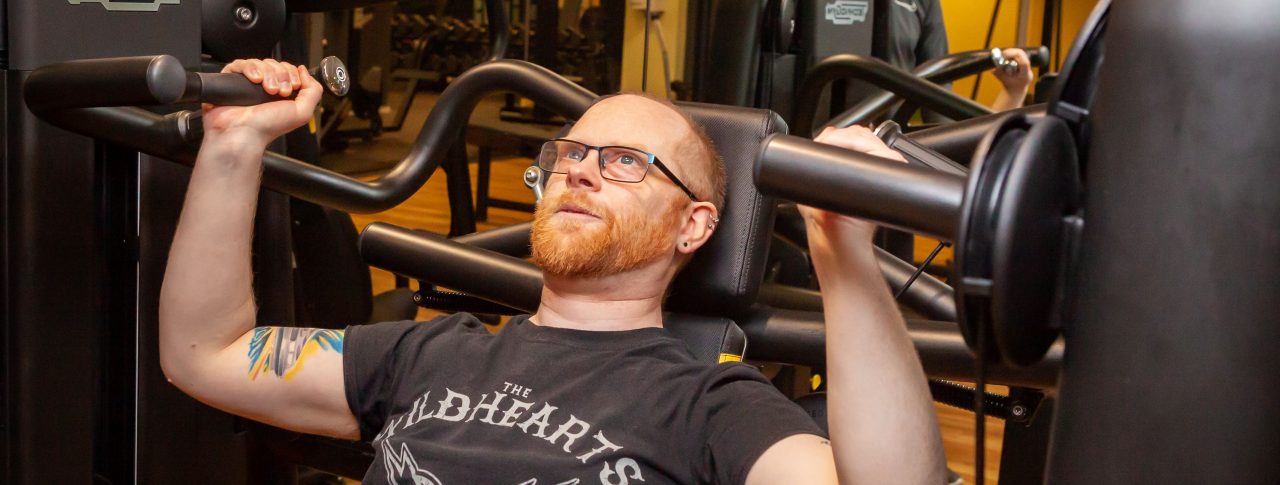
[
  {"x": 447, "y": 402},
  {"x": 916, "y": 33}
]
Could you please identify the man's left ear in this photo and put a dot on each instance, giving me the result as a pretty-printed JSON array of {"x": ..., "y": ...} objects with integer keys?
[{"x": 698, "y": 227}]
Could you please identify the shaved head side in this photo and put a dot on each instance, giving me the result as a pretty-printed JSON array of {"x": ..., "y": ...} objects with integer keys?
[{"x": 702, "y": 168}]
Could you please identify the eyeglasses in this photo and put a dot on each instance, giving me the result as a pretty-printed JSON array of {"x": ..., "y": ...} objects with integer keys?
[{"x": 619, "y": 164}]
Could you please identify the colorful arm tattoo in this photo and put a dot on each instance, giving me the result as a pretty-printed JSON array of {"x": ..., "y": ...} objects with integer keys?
[{"x": 282, "y": 350}]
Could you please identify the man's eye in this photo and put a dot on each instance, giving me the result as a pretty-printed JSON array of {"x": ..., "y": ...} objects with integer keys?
[
  {"x": 574, "y": 155},
  {"x": 628, "y": 160}
]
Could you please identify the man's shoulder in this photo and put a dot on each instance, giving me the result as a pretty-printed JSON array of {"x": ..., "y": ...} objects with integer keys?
[
  {"x": 723, "y": 379},
  {"x": 398, "y": 331}
]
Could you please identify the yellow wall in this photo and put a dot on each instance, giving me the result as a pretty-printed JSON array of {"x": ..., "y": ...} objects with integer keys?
[
  {"x": 673, "y": 27},
  {"x": 967, "y": 22}
]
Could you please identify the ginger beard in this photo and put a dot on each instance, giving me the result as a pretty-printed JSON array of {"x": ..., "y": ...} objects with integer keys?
[{"x": 617, "y": 243}]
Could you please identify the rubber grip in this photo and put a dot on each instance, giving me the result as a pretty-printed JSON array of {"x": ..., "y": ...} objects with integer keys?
[{"x": 232, "y": 89}]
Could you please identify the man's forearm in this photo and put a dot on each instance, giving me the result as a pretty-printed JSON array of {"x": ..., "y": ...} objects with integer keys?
[
  {"x": 1008, "y": 100},
  {"x": 206, "y": 302},
  {"x": 881, "y": 418}
]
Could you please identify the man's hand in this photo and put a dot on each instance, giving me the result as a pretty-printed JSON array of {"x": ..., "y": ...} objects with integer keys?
[
  {"x": 831, "y": 234},
  {"x": 256, "y": 126},
  {"x": 1015, "y": 83},
  {"x": 1019, "y": 80}
]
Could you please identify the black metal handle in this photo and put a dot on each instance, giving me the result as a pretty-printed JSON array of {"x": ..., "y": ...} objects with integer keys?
[
  {"x": 957, "y": 141},
  {"x": 491, "y": 276},
  {"x": 907, "y": 85},
  {"x": 150, "y": 81},
  {"x": 151, "y": 134},
  {"x": 233, "y": 89},
  {"x": 441, "y": 128},
  {"x": 905, "y": 197},
  {"x": 941, "y": 70},
  {"x": 117, "y": 81}
]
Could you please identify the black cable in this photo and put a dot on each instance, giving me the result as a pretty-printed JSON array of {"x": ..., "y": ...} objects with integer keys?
[
  {"x": 644, "y": 68},
  {"x": 979, "y": 403},
  {"x": 991, "y": 30},
  {"x": 920, "y": 270}
]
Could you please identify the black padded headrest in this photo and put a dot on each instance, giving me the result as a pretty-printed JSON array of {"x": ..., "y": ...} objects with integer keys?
[{"x": 724, "y": 276}]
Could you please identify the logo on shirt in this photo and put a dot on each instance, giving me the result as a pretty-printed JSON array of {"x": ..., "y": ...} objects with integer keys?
[
  {"x": 846, "y": 12},
  {"x": 128, "y": 6},
  {"x": 401, "y": 464}
]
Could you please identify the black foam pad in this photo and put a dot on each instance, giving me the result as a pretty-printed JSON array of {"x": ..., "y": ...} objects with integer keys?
[{"x": 724, "y": 276}]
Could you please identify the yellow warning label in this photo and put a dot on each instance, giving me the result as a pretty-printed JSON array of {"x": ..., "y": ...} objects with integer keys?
[
  {"x": 311, "y": 125},
  {"x": 730, "y": 358},
  {"x": 816, "y": 381}
]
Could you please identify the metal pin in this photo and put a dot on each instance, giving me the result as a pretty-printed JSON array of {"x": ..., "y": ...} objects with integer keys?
[{"x": 533, "y": 180}]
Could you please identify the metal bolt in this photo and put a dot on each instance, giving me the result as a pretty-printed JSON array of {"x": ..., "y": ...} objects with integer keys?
[
  {"x": 1018, "y": 411},
  {"x": 417, "y": 298},
  {"x": 244, "y": 13}
]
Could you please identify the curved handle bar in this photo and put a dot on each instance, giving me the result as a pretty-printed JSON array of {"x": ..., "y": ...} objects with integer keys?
[
  {"x": 502, "y": 279},
  {"x": 941, "y": 70},
  {"x": 162, "y": 136},
  {"x": 958, "y": 140},
  {"x": 910, "y": 87},
  {"x": 499, "y": 28},
  {"x": 443, "y": 125},
  {"x": 916, "y": 199}
]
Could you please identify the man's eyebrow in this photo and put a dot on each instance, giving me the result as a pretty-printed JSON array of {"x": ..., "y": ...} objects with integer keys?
[{"x": 639, "y": 146}]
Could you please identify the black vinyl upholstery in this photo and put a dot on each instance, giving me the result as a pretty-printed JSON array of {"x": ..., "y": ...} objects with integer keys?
[
  {"x": 727, "y": 56},
  {"x": 333, "y": 287},
  {"x": 709, "y": 339},
  {"x": 724, "y": 276}
]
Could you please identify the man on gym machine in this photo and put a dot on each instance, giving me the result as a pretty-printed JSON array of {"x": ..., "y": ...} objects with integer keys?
[{"x": 590, "y": 388}]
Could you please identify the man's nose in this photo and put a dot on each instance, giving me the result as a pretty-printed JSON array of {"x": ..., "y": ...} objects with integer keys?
[{"x": 586, "y": 173}]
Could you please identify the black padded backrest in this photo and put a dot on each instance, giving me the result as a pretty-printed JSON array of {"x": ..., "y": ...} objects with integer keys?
[
  {"x": 709, "y": 339},
  {"x": 726, "y": 56},
  {"x": 332, "y": 283},
  {"x": 724, "y": 276}
]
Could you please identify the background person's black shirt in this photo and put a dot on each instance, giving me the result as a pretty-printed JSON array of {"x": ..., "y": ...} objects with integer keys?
[
  {"x": 446, "y": 402},
  {"x": 916, "y": 33}
]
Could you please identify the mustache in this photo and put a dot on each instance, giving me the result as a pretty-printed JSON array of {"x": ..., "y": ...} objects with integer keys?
[{"x": 579, "y": 201}]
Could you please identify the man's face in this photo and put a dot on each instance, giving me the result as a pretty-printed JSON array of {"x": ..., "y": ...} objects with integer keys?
[{"x": 588, "y": 226}]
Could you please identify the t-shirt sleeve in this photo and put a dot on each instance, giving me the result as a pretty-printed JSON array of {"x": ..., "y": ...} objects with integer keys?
[
  {"x": 369, "y": 371},
  {"x": 376, "y": 357},
  {"x": 933, "y": 34},
  {"x": 745, "y": 416}
]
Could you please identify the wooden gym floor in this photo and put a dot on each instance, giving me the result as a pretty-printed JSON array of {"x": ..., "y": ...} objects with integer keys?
[{"x": 428, "y": 209}]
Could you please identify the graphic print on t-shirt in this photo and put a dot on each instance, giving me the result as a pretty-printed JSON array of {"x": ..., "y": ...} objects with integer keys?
[
  {"x": 561, "y": 430},
  {"x": 400, "y": 464}
]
